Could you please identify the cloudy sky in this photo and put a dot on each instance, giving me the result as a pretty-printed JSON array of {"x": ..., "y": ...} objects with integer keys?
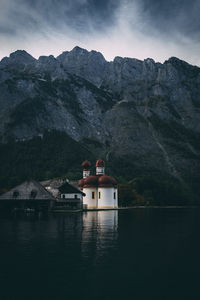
[{"x": 134, "y": 28}]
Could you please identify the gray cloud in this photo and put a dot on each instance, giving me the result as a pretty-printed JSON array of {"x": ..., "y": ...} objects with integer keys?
[
  {"x": 29, "y": 15},
  {"x": 139, "y": 28},
  {"x": 174, "y": 16}
]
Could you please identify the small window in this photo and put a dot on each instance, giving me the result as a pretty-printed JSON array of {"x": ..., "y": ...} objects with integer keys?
[
  {"x": 114, "y": 195},
  {"x": 33, "y": 194},
  {"x": 99, "y": 195},
  {"x": 15, "y": 194},
  {"x": 93, "y": 195}
]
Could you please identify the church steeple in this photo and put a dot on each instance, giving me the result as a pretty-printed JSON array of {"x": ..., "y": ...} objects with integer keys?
[
  {"x": 100, "y": 167},
  {"x": 86, "y": 168}
]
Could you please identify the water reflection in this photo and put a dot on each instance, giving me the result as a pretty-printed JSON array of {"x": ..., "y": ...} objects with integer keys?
[
  {"x": 99, "y": 232},
  {"x": 101, "y": 255},
  {"x": 57, "y": 252}
]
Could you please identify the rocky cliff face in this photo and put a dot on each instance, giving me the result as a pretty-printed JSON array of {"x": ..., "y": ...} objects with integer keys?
[{"x": 141, "y": 113}]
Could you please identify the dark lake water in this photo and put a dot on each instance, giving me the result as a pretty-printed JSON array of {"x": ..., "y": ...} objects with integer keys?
[{"x": 137, "y": 254}]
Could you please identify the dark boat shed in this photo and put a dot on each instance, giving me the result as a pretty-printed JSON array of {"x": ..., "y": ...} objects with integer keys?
[
  {"x": 28, "y": 195},
  {"x": 70, "y": 197}
]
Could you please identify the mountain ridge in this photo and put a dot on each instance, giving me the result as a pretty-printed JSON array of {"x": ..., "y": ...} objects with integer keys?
[{"x": 142, "y": 113}]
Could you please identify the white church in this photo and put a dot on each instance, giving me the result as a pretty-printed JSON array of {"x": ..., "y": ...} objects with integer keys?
[{"x": 100, "y": 190}]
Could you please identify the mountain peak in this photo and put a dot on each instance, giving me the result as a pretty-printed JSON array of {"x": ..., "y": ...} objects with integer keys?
[
  {"x": 79, "y": 49},
  {"x": 22, "y": 55},
  {"x": 18, "y": 57},
  {"x": 184, "y": 67},
  {"x": 87, "y": 64},
  {"x": 174, "y": 60}
]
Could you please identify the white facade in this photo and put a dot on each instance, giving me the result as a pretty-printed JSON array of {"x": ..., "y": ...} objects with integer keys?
[
  {"x": 100, "y": 170},
  {"x": 91, "y": 197},
  {"x": 86, "y": 173},
  {"x": 107, "y": 197},
  {"x": 101, "y": 197},
  {"x": 71, "y": 196}
]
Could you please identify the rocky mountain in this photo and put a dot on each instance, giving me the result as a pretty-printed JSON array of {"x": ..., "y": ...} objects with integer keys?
[{"x": 142, "y": 116}]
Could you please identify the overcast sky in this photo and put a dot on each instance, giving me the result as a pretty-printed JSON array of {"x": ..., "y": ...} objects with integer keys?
[{"x": 134, "y": 28}]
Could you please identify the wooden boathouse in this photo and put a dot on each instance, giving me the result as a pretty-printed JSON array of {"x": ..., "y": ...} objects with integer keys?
[
  {"x": 28, "y": 195},
  {"x": 69, "y": 197}
]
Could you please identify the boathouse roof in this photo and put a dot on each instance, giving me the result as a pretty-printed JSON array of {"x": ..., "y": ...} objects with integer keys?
[
  {"x": 28, "y": 190},
  {"x": 67, "y": 188}
]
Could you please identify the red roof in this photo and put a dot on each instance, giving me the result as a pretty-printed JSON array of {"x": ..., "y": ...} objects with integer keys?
[
  {"x": 105, "y": 181},
  {"x": 100, "y": 163},
  {"x": 81, "y": 182},
  {"x": 91, "y": 181},
  {"x": 97, "y": 181},
  {"x": 86, "y": 164}
]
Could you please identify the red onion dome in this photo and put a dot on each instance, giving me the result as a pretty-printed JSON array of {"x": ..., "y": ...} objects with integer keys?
[
  {"x": 106, "y": 181},
  {"x": 86, "y": 165},
  {"x": 91, "y": 181},
  {"x": 100, "y": 163},
  {"x": 81, "y": 183}
]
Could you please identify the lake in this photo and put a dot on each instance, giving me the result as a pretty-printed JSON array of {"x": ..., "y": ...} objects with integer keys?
[{"x": 135, "y": 254}]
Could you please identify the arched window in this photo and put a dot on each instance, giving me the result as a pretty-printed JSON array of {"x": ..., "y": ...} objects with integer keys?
[
  {"x": 33, "y": 194},
  {"x": 15, "y": 194}
]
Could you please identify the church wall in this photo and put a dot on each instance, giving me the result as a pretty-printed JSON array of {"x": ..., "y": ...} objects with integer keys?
[
  {"x": 107, "y": 198},
  {"x": 87, "y": 199}
]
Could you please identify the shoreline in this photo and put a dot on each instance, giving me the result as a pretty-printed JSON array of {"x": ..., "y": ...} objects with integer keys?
[{"x": 121, "y": 208}]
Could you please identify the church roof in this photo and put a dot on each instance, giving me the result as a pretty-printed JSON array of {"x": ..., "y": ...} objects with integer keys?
[
  {"x": 97, "y": 181},
  {"x": 100, "y": 163},
  {"x": 81, "y": 182},
  {"x": 106, "y": 181},
  {"x": 91, "y": 181},
  {"x": 86, "y": 165}
]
